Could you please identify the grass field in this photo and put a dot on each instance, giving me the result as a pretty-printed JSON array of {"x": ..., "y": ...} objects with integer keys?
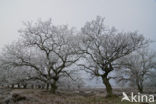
[{"x": 36, "y": 96}]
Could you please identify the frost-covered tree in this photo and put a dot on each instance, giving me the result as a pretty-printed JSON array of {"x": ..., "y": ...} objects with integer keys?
[
  {"x": 137, "y": 68},
  {"x": 103, "y": 47},
  {"x": 47, "y": 49}
]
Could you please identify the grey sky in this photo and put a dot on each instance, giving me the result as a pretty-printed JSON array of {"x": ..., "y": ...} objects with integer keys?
[{"x": 125, "y": 15}]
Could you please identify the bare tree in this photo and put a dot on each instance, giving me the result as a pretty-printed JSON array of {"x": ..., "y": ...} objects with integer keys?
[
  {"x": 137, "y": 68},
  {"x": 103, "y": 47},
  {"x": 48, "y": 49},
  {"x": 12, "y": 74}
]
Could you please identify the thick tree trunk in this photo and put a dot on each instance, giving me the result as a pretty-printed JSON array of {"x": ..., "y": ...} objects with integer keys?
[
  {"x": 54, "y": 85},
  {"x": 139, "y": 84},
  {"x": 108, "y": 86},
  {"x": 53, "y": 88},
  {"x": 140, "y": 88}
]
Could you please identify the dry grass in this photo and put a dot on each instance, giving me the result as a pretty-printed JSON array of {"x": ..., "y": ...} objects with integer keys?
[{"x": 44, "y": 97}]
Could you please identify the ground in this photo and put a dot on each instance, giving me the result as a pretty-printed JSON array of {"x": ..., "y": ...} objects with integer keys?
[{"x": 38, "y": 96}]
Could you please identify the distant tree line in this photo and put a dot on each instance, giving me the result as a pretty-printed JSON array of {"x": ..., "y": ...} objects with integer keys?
[{"x": 50, "y": 56}]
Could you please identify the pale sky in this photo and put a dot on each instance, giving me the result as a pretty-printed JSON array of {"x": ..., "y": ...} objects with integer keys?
[{"x": 125, "y": 15}]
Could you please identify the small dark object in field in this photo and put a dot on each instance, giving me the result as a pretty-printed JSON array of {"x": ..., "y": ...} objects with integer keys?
[{"x": 17, "y": 97}]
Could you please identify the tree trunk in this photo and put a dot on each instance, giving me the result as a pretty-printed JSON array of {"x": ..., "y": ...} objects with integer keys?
[
  {"x": 42, "y": 86},
  {"x": 54, "y": 85},
  {"x": 25, "y": 86},
  {"x": 18, "y": 85},
  {"x": 139, "y": 85},
  {"x": 53, "y": 88},
  {"x": 39, "y": 86},
  {"x": 140, "y": 88},
  {"x": 47, "y": 87},
  {"x": 108, "y": 86},
  {"x": 12, "y": 86}
]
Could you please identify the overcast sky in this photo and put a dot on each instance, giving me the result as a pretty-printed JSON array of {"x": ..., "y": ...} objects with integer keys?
[{"x": 125, "y": 15}]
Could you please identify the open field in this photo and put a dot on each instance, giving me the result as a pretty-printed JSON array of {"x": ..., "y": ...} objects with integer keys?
[{"x": 37, "y": 96}]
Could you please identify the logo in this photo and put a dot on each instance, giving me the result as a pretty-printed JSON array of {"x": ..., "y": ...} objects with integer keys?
[{"x": 138, "y": 98}]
